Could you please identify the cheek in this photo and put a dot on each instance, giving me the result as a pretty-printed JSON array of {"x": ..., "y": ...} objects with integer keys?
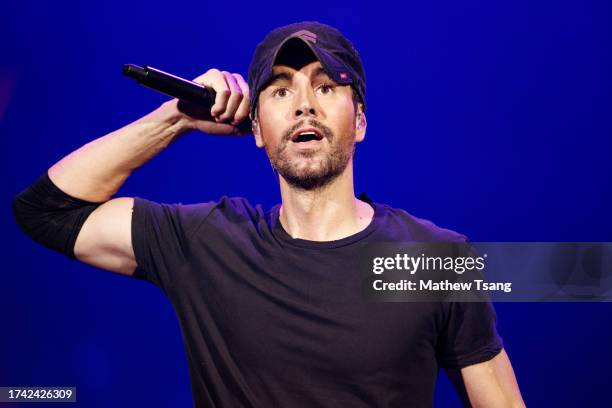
[
  {"x": 271, "y": 128},
  {"x": 340, "y": 113},
  {"x": 273, "y": 111},
  {"x": 342, "y": 121}
]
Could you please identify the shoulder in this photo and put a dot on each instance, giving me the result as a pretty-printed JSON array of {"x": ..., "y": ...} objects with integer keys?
[
  {"x": 229, "y": 205},
  {"x": 418, "y": 229},
  {"x": 192, "y": 216},
  {"x": 236, "y": 209}
]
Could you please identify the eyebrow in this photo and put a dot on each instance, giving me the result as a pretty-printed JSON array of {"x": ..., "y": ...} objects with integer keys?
[
  {"x": 279, "y": 76},
  {"x": 319, "y": 72},
  {"x": 288, "y": 76}
]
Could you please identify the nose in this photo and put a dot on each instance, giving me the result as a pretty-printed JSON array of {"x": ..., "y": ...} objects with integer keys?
[
  {"x": 301, "y": 111},
  {"x": 306, "y": 104}
]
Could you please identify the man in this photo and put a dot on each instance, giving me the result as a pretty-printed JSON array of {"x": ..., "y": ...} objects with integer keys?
[{"x": 269, "y": 302}]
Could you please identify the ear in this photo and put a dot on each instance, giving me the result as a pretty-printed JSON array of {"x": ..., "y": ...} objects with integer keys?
[
  {"x": 361, "y": 124},
  {"x": 256, "y": 129}
]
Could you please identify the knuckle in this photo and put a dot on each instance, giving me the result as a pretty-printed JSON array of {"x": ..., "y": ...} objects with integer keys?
[{"x": 239, "y": 117}]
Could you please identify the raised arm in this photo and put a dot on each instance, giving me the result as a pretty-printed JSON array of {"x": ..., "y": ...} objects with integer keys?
[{"x": 71, "y": 211}]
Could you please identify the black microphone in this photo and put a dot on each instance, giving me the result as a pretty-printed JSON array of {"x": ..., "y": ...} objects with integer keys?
[{"x": 183, "y": 89}]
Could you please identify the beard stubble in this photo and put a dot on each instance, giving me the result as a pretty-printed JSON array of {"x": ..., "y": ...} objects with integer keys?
[{"x": 318, "y": 174}]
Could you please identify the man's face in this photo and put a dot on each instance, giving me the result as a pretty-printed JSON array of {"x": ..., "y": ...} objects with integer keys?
[{"x": 307, "y": 124}]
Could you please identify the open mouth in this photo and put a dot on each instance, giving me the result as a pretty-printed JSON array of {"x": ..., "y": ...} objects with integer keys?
[{"x": 306, "y": 135}]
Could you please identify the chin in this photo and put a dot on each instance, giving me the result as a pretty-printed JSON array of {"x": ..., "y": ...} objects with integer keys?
[
  {"x": 309, "y": 176},
  {"x": 309, "y": 168}
]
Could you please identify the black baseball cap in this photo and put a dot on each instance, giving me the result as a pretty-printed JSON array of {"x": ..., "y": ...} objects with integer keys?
[{"x": 339, "y": 58}]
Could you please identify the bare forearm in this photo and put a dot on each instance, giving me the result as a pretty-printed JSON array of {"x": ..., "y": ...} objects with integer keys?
[
  {"x": 96, "y": 171},
  {"x": 100, "y": 235},
  {"x": 492, "y": 383}
]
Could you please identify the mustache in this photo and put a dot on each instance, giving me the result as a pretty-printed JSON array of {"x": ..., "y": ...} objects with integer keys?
[{"x": 325, "y": 131}]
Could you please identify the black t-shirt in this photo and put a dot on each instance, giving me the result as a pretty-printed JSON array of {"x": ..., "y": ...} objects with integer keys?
[{"x": 272, "y": 321}]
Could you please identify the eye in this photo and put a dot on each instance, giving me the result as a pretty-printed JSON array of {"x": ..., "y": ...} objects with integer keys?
[
  {"x": 326, "y": 88},
  {"x": 280, "y": 92}
]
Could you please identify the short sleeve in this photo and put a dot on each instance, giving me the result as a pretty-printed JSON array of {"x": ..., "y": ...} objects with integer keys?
[
  {"x": 161, "y": 235},
  {"x": 469, "y": 335}
]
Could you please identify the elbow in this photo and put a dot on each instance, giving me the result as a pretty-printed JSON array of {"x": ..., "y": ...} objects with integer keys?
[
  {"x": 24, "y": 214},
  {"x": 51, "y": 217}
]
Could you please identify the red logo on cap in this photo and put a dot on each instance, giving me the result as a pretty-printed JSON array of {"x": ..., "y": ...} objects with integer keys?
[{"x": 343, "y": 75}]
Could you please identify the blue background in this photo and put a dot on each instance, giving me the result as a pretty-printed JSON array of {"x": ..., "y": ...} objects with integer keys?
[{"x": 490, "y": 118}]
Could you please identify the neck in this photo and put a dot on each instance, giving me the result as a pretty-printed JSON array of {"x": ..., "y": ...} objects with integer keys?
[{"x": 326, "y": 214}]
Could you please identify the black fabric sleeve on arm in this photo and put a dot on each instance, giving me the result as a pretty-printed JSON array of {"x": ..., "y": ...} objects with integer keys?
[
  {"x": 469, "y": 335},
  {"x": 51, "y": 217},
  {"x": 161, "y": 238}
]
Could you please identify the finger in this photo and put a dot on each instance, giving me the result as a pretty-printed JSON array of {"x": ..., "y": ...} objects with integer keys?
[
  {"x": 234, "y": 100},
  {"x": 214, "y": 79},
  {"x": 245, "y": 105}
]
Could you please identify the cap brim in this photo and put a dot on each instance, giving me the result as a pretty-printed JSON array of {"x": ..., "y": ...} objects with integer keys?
[{"x": 333, "y": 66}]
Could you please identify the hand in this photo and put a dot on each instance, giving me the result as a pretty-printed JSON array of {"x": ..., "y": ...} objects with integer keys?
[{"x": 231, "y": 105}]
